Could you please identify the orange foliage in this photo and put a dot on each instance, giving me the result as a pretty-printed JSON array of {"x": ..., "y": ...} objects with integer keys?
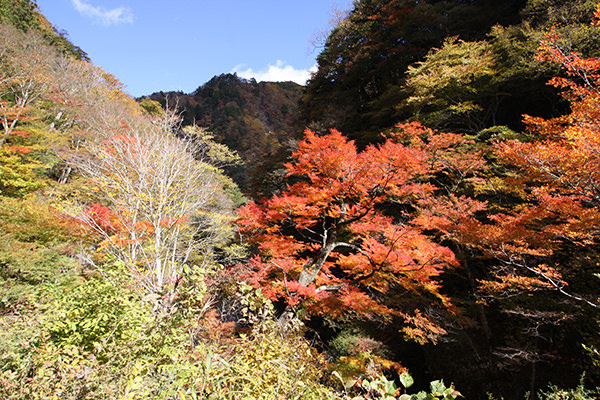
[
  {"x": 560, "y": 172},
  {"x": 11, "y": 116},
  {"x": 563, "y": 162},
  {"x": 325, "y": 243}
]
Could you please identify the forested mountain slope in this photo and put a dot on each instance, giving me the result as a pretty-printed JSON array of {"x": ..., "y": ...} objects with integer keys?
[
  {"x": 453, "y": 233},
  {"x": 258, "y": 120},
  {"x": 392, "y": 60},
  {"x": 114, "y": 225},
  {"x": 481, "y": 69}
]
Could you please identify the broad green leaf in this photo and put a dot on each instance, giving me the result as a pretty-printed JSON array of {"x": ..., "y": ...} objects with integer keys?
[{"x": 406, "y": 379}]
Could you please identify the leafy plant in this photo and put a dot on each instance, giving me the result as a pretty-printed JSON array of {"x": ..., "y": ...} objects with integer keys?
[
  {"x": 579, "y": 393},
  {"x": 437, "y": 390}
]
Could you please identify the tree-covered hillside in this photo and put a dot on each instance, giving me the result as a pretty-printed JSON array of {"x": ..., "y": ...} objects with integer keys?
[
  {"x": 114, "y": 233},
  {"x": 448, "y": 230},
  {"x": 257, "y": 120},
  {"x": 392, "y": 60},
  {"x": 481, "y": 69}
]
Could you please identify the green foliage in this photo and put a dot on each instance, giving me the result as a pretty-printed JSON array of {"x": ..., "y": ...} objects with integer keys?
[
  {"x": 579, "y": 393},
  {"x": 92, "y": 338},
  {"x": 24, "y": 15},
  {"x": 353, "y": 343},
  {"x": 380, "y": 388},
  {"x": 362, "y": 68},
  {"x": 96, "y": 338},
  {"x": 206, "y": 147},
  {"x": 93, "y": 313},
  {"x": 25, "y": 159},
  {"x": 268, "y": 365},
  {"x": 490, "y": 75},
  {"x": 18, "y": 178},
  {"x": 34, "y": 248},
  {"x": 20, "y": 13},
  {"x": 358, "y": 355},
  {"x": 151, "y": 107},
  {"x": 594, "y": 355},
  {"x": 471, "y": 86},
  {"x": 437, "y": 390},
  {"x": 452, "y": 87},
  {"x": 406, "y": 380},
  {"x": 35, "y": 242},
  {"x": 571, "y": 18}
]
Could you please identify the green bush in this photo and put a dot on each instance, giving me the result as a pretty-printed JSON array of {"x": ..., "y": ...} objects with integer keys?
[{"x": 579, "y": 393}]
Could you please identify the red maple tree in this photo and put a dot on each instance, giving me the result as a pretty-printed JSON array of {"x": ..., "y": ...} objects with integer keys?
[
  {"x": 556, "y": 177},
  {"x": 346, "y": 238}
]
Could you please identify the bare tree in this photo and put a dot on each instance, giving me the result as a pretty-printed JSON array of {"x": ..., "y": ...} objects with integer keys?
[
  {"x": 24, "y": 74},
  {"x": 161, "y": 203}
]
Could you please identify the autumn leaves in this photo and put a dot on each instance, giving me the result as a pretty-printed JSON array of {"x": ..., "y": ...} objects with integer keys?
[
  {"x": 330, "y": 239},
  {"x": 358, "y": 232}
]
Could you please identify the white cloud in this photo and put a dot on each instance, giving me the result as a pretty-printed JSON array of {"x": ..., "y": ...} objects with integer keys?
[
  {"x": 115, "y": 16},
  {"x": 280, "y": 72}
]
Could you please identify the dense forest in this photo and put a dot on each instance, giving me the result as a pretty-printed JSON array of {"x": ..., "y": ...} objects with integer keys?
[
  {"x": 258, "y": 120},
  {"x": 420, "y": 221}
]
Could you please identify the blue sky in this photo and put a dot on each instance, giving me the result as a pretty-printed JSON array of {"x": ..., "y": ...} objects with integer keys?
[{"x": 152, "y": 45}]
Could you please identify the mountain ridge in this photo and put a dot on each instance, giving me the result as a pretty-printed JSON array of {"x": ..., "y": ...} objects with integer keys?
[{"x": 259, "y": 120}]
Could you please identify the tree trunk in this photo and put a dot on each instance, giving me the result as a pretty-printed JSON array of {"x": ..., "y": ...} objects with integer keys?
[{"x": 309, "y": 273}]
